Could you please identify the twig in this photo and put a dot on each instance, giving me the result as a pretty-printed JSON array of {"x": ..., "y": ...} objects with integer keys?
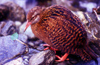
[
  {"x": 96, "y": 15},
  {"x": 27, "y": 48}
]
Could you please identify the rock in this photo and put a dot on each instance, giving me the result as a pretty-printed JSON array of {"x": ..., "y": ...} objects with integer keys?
[
  {"x": 18, "y": 61},
  {"x": 4, "y": 12},
  {"x": 93, "y": 32},
  {"x": 17, "y": 23},
  {"x": 87, "y": 5},
  {"x": 86, "y": 63},
  {"x": 10, "y": 48},
  {"x": 26, "y": 4},
  {"x": 8, "y": 29},
  {"x": 28, "y": 31},
  {"x": 38, "y": 44},
  {"x": 31, "y": 51},
  {"x": 26, "y": 60},
  {"x": 31, "y": 44},
  {"x": 30, "y": 4},
  {"x": 17, "y": 13},
  {"x": 28, "y": 55},
  {"x": 65, "y": 3},
  {"x": 98, "y": 59},
  {"x": 62, "y": 63},
  {"x": 44, "y": 2},
  {"x": 1, "y": 26},
  {"x": 90, "y": 24},
  {"x": 40, "y": 47},
  {"x": 12, "y": 11},
  {"x": 42, "y": 58}
]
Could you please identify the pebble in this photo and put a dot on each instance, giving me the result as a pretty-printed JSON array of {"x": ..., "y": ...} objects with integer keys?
[{"x": 28, "y": 31}]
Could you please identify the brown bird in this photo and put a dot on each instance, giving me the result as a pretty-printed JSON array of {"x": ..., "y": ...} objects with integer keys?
[{"x": 61, "y": 29}]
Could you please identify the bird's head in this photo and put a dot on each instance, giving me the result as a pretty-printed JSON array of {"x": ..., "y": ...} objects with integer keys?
[{"x": 33, "y": 16}]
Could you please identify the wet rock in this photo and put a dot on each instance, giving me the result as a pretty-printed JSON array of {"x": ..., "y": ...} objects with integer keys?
[
  {"x": 10, "y": 48},
  {"x": 28, "y": 31},
  {"x": 42, "y": 58},
  {"x": 18, "y": 61},
  {"x": 8, "y": 29}
]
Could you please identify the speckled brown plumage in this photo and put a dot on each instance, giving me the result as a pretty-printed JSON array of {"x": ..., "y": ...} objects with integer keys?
[{"x": 61, "y": 29}]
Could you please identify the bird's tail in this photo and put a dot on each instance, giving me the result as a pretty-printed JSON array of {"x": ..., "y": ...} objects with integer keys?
[{"x": 87, "y": 54}]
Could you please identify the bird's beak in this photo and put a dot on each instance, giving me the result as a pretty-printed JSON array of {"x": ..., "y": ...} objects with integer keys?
[{"x": 27, "y": 25}]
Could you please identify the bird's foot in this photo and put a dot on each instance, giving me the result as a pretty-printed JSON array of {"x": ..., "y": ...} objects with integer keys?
[
  {"x": 49, "y": 47},
  {"x": 63, "y": 58}
]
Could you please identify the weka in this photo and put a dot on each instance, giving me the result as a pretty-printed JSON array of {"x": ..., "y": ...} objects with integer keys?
[{"x": 61, "y": 29}]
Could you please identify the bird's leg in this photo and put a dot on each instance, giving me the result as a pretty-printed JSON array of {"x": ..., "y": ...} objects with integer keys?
[
  {"x": 49, "y": 47},
  {"x": 46, "y": 45},
  {"x": 63, "y": 58}
]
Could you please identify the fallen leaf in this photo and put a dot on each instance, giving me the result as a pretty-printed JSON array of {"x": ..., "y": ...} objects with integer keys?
[{"x": 14, "y": 36}]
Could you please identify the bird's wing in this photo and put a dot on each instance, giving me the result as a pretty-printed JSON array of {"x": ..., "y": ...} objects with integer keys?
[{"x": 59, "y": 31}]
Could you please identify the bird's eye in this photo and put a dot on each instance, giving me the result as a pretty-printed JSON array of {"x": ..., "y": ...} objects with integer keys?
[
  {"x": 34, "y": 16},
  {"x": 31, "y": 18}
]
